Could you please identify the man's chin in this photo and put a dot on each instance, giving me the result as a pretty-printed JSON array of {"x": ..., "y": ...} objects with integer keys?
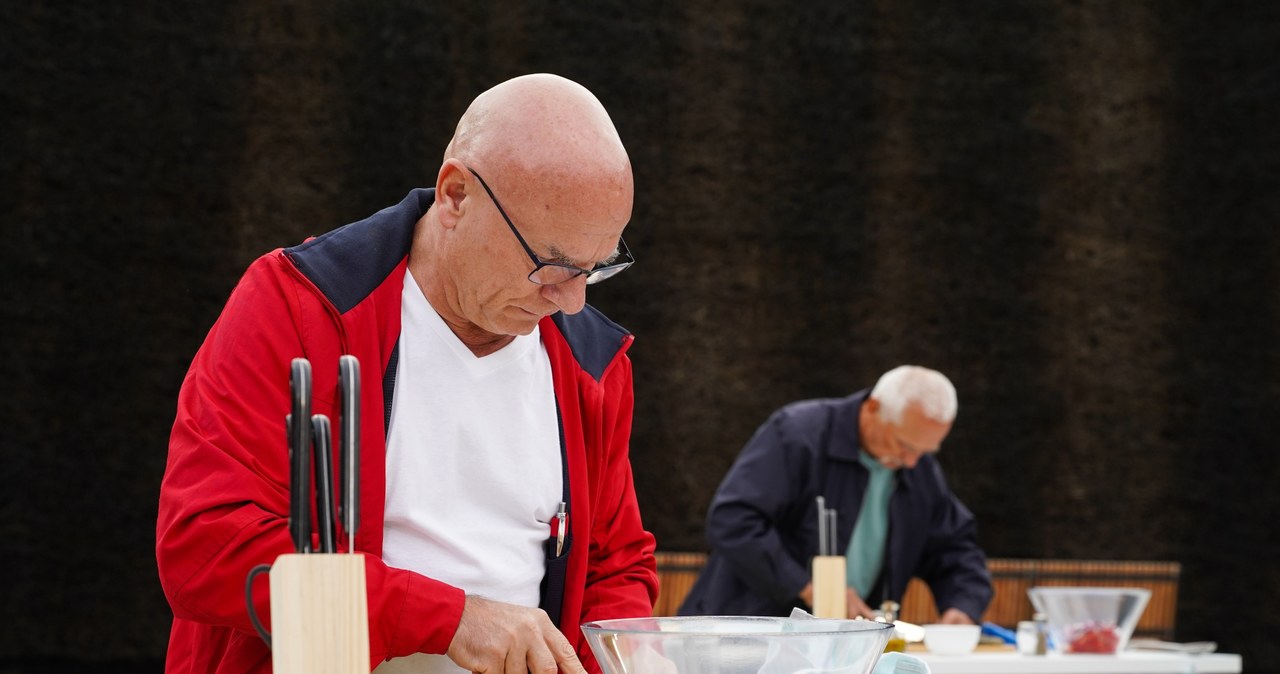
[
  {"x": 524, "y": 330},
  {"x": 521, "y": 326},
  {"x": 523, "y": 321}
]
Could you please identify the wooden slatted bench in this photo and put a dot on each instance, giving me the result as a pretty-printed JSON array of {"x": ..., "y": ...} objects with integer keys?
[
  {"x": 1011, "y": 579},
  {"x": 676, "y": 573}
]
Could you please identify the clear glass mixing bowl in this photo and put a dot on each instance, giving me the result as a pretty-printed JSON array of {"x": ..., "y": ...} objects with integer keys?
[
  {"x": 1090, "y": 619},
  {"x": 736, "y": 645}
]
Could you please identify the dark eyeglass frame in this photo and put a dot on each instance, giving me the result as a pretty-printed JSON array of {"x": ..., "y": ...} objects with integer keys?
[{"x": 551, "y": 273}]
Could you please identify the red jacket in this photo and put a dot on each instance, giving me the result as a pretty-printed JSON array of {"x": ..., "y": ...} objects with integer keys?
[{"x": 224, "y": 501}]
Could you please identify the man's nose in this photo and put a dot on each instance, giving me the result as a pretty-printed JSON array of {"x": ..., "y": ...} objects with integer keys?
[{"x": 569, "y": 296}]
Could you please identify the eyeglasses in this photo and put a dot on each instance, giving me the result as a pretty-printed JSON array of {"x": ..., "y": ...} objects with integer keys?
[
  {"x": 552, "y": 273},
  {"x": 910, "y": 448}
]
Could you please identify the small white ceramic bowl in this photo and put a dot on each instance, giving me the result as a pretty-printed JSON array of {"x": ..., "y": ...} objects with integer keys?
[{"x": 951, "y": 639}]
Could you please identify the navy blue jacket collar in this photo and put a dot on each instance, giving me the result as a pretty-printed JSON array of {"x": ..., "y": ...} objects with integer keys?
[
  {"x": 844, "y": 425},
  {"x": 349, "y": 262}
]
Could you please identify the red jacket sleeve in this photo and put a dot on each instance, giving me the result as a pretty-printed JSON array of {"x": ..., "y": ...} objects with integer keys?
[{"x": 224, "y": 500}]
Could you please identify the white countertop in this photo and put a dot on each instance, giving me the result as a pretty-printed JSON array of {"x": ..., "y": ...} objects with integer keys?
[{"x": 1128, "y": 662}]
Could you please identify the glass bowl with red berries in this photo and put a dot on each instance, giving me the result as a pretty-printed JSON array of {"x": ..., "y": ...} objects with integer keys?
[{"x": 1090, "y": 619}]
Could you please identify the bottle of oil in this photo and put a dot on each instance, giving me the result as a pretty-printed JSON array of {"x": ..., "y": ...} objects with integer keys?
[{"x": 889, "y": 612}]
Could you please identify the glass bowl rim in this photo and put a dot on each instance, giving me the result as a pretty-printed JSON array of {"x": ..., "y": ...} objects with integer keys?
[{"x": 617, "y": 626}]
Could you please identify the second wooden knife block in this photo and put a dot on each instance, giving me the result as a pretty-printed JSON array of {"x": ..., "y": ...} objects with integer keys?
[{"x": 829, "y": 598}]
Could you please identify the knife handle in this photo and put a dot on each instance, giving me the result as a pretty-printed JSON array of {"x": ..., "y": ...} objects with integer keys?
[
  {"x": 349, "y": 506},
  {"x": 299, "y": 421},
  {"x": 324, "y": 481}
]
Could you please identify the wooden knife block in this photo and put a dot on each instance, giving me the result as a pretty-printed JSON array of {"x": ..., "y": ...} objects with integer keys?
[
  {"x": 319, "y": 615},
  {"x": 829, "y": 597}
]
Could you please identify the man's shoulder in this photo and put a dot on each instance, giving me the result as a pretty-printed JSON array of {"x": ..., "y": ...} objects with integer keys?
[
  {"x": 825, "y": 425},
  {"x": 821, "y": 407},
  {"x": 349, "y": 262}
]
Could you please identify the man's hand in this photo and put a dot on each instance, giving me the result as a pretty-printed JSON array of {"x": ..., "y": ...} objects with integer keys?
[
  {"x": 954, "y": 616},
  {"x": 494, "y": 638},
  {"x": 855, "y": 607}
]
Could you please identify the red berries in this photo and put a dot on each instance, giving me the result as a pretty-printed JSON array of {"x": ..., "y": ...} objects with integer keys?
[{"x": 1092, "y": 638}]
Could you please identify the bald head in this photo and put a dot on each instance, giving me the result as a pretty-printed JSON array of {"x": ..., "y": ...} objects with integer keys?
[{"x": 540, "y": 125}]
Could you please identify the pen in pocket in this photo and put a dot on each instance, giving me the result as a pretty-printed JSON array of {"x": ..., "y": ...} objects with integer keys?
[{"x": 560, "y": 527}]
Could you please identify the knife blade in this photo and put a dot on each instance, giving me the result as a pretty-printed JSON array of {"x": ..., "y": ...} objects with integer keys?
[
  {"x": 299, "y": 421},
  {"x": 324, "y": 481},
  {"x": 349, "y": 506},
  {"x": 822, "y": 527}
]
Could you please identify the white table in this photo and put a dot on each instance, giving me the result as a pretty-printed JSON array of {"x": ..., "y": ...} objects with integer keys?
[{"x": 1128, "y": 662}]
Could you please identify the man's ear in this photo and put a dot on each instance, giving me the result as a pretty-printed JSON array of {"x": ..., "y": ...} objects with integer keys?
[{"x": 451, "y": 192}]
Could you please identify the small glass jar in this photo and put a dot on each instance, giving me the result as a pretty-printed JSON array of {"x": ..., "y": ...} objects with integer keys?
[{"x": 1026, "y": 637}]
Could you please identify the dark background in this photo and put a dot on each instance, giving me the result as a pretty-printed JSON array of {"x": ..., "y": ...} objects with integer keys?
[{"x": 1070, "y": 208}]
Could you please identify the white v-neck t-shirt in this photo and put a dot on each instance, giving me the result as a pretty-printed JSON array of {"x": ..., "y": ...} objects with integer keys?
[{"x": 473, "y": 464}]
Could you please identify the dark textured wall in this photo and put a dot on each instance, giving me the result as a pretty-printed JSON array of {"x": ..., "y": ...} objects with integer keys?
[{"x": 1071, "y": 208}]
